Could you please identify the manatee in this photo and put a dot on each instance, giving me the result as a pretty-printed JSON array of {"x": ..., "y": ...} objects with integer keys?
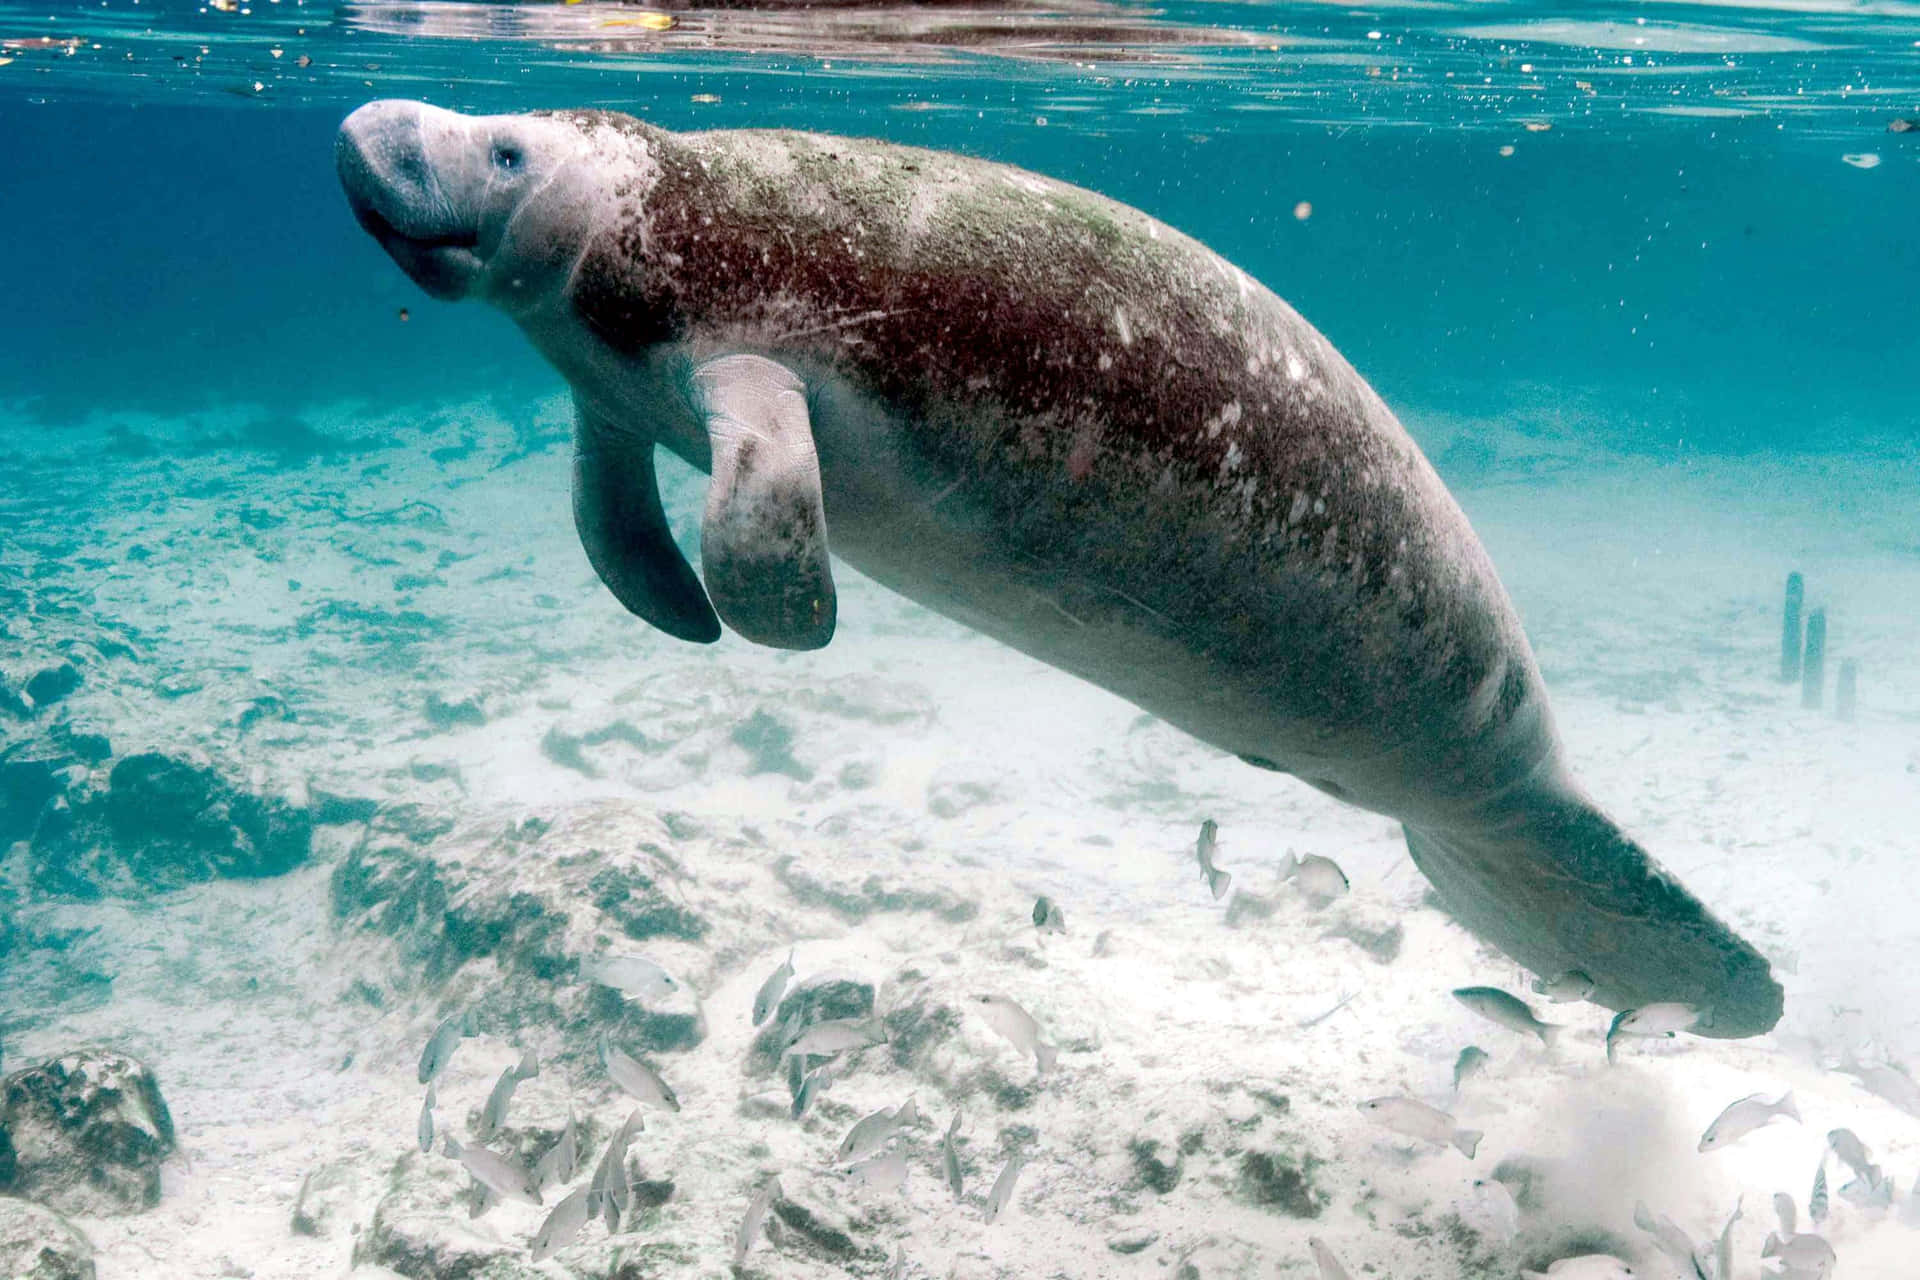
[{"x": 1058, "y": 421}]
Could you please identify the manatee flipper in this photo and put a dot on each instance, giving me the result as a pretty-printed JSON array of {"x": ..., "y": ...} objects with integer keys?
[
  {"x": 1561, "y": 888},
  {"x": 616, "y": 508},
  {"x": 763, "y": 544}
]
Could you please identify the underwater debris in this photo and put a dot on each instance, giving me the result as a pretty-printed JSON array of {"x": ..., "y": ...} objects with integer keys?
[
  {"x": 1813, "y": 667},
  {"x": 1862, "y": 160},
  {"x": 1790, "y": 634},
  {"x": 1047, "y": 915}
]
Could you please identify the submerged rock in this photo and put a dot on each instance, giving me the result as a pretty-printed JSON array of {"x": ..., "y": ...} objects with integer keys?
[
  {"x": 87, "y": 1131},
  {"x": 161, "y": 821},
  {"x": 38, "y": 1244}
]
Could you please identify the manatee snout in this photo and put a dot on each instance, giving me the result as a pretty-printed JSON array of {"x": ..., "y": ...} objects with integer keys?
[{"x": 392, "y": 158}]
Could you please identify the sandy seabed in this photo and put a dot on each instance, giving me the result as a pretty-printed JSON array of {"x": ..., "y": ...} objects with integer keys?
[{"x": 939, "y": 761}]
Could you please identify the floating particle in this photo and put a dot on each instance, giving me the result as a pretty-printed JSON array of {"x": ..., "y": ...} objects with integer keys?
[
  {"x": 1536, "y": 126},
  {"x": 1041, "y": 121},
  {"x": 705, "y": 98},
  {"x": 405, "y": 315},
  {"x": 276, "y": 52},
  {"x": 1526, "y": 68},
  {"x": 5, "y": 61},
  {"x": 1303, "y": 211},
  {"x": 1862, "y": 160},
  {"x": 1373, "y": 35},
  {"x": 1903, "y": 126},
  {"x": 224, "y": 6},
  {"x": 303, "y": 62},
  {"x": 1506, "y": 150}
]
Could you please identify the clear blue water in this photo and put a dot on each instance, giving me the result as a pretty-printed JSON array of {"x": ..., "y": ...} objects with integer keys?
[{"x": 1685, "y": 245}]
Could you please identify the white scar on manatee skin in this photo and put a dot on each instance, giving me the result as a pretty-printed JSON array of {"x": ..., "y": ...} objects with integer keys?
[{"x": 990, "y": 391}]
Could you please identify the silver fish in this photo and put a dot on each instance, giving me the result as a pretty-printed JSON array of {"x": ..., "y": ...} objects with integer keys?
[
  {"x": 1047, "y": 915},
  {"x": 1569, "y": 987},
  {"x": 757, "y": 1208},
  {"x": 641, "y": 977},
  {"x": 826, "y": 1039},
  {"x": 871, "y": 1132},
  {"x": 499, "y": 1174},
  {"x": 767, "y": 998},
  {"x": 1865, "y": 1194},
  {"x": 1321, "y": 879},
  {"x": 899, "y": 1263},
  {"x": 815, "y": 1083},
  {"x": 1666, "y": 1233},
  {"x": 1723, "y": 1248},
  {"x": 1471, "y": 1062},
  {"x": 1784, "y": 1210},
  {"x": 1659, "y": 1020},
  {"x": 562, "y": 1160},
  {"x": 1804, "y": 1252},
  {"x": 561, "y": 1226},
  {"x": 1416, "y": 1119},
  {"x": 1019, "y": 1027},
  {"x": 636, "y": 1077},
  {"x": 1853, "y": 1154},
  {"x": 950, "y": 1156},
  {"x": 1889, "y": 1083},
  {"x": 1330, "y": 1268},
  {"x": 1509, "y": 1011},
  {"x": 1588, "y": 1266},
  {"x": 1002, "y": 1193},
  {"x": 440, "y": 1046},
  {"x": 426, "y": 1121},
  {"x": 1817, "y": 1200},
  {"x": 1743, "y": 1117},
  {"x": 1218, "y": 881},
  {"x": 608, "y": 1193},
  {"x": 494, "y": 1114},
  {"x": 881, "y": 1173}
]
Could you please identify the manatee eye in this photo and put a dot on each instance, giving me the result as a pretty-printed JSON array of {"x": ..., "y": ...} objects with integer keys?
[{"x": 506, "y": 156}]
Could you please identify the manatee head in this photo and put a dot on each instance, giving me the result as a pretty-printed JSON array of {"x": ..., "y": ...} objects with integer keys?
[{"x": 498, "y": 208}]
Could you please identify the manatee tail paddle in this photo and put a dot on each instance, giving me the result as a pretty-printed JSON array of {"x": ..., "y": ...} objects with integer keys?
[{"x": 1563, "y": 888}]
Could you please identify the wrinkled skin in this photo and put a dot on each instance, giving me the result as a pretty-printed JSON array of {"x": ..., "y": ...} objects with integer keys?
[{"x": 1056, "y": 420}]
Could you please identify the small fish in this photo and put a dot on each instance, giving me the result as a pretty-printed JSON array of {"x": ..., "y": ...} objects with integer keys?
[
  {"x": 1743, "y": 1117},
  {"x": 1817, "y": 1200},
  {"x": 1901, "y": 125},
  {"x": 767, "y": 998},
  {"x": 882, "y": 1173},
  {"x": 1804, "y": 1252},
  {"x": 607, "y": 1194},
  {"x": 1889, "y": 1083},
  {"x": 644, "y": 979},
  {"x": 1418, "y": 1120},
  {"x": 1588, "y": 1266},
  {"x": 1471, "y": 1062},
  {"x": 561, "y": 1226},
  {"x": 757, "y": 1207},
  {"x": 899, "y": 1263},
  {"x": 494, "y": 1114},
  {"x": 870, "y": 1133},
  {"x": 1002, "y": 1193},
  {"x": 562, "y": 1161},
  {"x": 1864, "y": 1194},
  {"x": 1666, "y": 1233},
  {"x": 1509, "y": 1011},
  {"x": 1853, "y": 1154},
  {"x": 1784, "y": 1210},
  {"x": 950, "y": 1156},
  {"x": 499, "y": 1174},
  {"x": 636, "y": 1077},
  {"x": 1321, "y": 879},
  {"x": 1047, "y": 915},
  {"x": 1218, "y": 881},
  {"x": 426, "y": 1121},
  {"x": 528, "y": 1068},
  {"x": 440, "y": 1046},
  {"x": 816, "y": 1082},
  {"x": 1568, "y": 988},
  {"x": 1652, "y": 1020},
  {"x": 836, "y": 1036},
  {"x": 1723, "y": 1248},
  {"x": 1019, "y": 1027},
  {"x": 1330, "y": 1268},
  {"x": 1501, "y": 1209}
]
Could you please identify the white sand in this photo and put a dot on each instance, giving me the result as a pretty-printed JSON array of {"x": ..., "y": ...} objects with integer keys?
[{"x": 1651, "y": 590}]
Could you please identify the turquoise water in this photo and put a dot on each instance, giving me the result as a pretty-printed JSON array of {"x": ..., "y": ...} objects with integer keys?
[{"x": 331, "y": 736}]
